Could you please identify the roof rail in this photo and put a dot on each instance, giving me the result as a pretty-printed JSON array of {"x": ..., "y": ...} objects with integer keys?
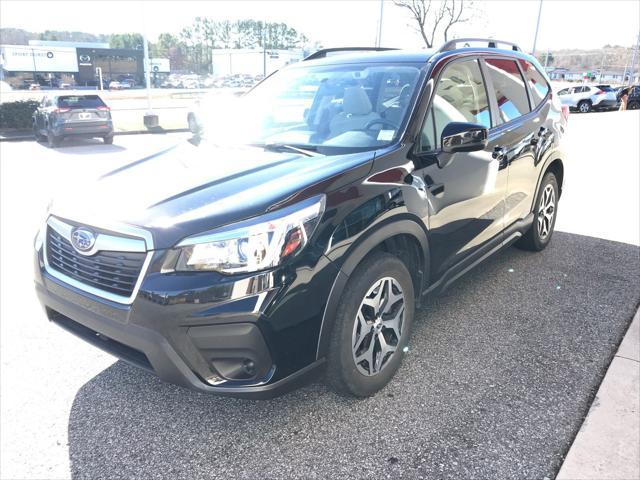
[
  {"x": 323, "y": 52},
  {"x": 491, "y": 43}
]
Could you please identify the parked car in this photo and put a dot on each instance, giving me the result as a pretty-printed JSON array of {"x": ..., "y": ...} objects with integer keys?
[
  {"x": 305, "y": 228},
  {"x": 585, "y": 98},
  {"x": 633, "y": 99},
  {"x": 115, "y": 85},
  {"x": 62, "y": 116}
]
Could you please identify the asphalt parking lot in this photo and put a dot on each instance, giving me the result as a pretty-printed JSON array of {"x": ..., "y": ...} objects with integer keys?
[{"x": 500, "y": 373}]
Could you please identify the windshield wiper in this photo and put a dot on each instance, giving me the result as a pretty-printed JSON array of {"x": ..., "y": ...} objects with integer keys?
[{"x": 308, "y": 150}]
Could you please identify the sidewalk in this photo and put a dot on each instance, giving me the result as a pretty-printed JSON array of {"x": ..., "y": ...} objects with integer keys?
[
  {"x": 608, "y": 443},
  {"x": 27, "y": 135}
]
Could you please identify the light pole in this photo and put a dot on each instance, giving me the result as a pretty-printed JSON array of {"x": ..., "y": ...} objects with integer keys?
[
  {"x": 150, "y": 118},
  {"x": 535, "y": 38},
  {"x": 379, "y": 39}
]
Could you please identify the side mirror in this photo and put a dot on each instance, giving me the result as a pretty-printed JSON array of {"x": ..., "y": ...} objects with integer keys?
[{"x": 464, "y": 137}]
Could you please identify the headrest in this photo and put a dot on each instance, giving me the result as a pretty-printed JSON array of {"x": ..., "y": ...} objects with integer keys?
[
  {"x": 405, "y": 91},
  {"x": 356, "y": 101}
]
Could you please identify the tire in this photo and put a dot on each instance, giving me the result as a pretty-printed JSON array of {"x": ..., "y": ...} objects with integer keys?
[
  {"x": 584, "y": 106},
  {"x": 108, "y": 140},
  {"x": 37, "y": 134},
  {"x": 370, "y": 283},
  {"x": 545, "y": 213},
  {"x": 633, "y": 106},
  {"x": 53, "y": 140}
]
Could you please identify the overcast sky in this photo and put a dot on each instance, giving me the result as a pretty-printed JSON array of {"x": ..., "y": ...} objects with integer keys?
[{"x": 564, "y": 23}]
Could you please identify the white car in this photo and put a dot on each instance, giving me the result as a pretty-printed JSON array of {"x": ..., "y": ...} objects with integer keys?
[{"x": 585, "y": 98}]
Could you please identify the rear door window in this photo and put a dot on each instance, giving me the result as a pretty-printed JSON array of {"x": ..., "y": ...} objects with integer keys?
[
  {"x": 537, "y": 83},
  {"x": 509, "y": 89},
  {"x": 80, "y": 101}
]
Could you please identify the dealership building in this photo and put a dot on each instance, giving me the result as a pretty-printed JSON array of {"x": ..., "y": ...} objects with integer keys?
[{"x": 73, "y": 64}]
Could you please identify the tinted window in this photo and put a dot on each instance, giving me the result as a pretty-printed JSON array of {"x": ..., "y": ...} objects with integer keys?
[
  {"x": 460, "y": 96},
  {"x": 537, "y": 83},
  {"x": 80, "y": 101},
  {"x": 605, "y": 88},
  {"x": 509, "y": 89}
]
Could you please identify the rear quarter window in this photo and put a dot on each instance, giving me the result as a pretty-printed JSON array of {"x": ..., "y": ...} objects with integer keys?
[
  {"x": 80, "y": 101},
  {"x": 537, "y": 83}
]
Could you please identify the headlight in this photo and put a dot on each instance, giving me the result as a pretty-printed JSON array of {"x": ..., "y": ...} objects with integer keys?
[{"x": 252, "y": 245}]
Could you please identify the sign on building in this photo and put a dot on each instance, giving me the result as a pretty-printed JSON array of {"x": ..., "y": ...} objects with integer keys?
[
  {"x": 160, "y": 65},
  {"x": 20, "y": 58}
]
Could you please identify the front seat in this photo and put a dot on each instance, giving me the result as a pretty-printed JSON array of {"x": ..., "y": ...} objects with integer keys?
[
  {"x": 356, "y": 112},
  {"x": 395, "y": 113}
]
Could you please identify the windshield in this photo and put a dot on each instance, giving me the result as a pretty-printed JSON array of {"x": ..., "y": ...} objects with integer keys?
[{"x": 322, "y": 108}]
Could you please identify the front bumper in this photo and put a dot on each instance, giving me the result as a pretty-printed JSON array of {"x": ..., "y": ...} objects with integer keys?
[{"x": 249, "y": 337}]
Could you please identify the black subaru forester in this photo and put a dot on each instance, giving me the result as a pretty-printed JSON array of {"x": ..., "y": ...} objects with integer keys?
[{"x": 301, "y": 230}]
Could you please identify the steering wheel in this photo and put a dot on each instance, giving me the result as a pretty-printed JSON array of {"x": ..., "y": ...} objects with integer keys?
[{"x": 380, "y": 121}]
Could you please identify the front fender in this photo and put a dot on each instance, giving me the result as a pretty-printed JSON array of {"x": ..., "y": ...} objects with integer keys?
[{"x": 353, "y": 254}]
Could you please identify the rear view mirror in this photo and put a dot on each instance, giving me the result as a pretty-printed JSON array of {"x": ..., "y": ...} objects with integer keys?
[{"x": 464, "y": 137}]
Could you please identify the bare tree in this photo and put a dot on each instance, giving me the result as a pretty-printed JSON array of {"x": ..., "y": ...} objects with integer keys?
[{"x": 430, "y": 18}]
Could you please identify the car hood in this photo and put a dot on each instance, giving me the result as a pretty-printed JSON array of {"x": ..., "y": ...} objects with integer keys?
[{"x": 188, "y": 189}]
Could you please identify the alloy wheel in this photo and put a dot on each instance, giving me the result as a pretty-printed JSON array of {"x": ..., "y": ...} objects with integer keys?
[
  {"x": 377, "y": 329},
  {"x": 546, "y": 211},
  {"x": 584, "y": 107}
]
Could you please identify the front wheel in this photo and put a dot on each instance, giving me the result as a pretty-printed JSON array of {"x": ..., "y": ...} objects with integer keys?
[
  {"x": 37, "y": 134},
  {"x": 633, "y": 106},
  {"x": 372, "y": 327},
  {"x": 539, "y": 234}
]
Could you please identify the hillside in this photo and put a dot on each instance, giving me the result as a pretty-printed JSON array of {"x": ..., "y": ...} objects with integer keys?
[{"x": 609, "y": 58}]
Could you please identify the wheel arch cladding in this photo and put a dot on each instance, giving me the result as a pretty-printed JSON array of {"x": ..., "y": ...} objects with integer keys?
[
  {"x": 557, "y": 168},
  {"x": 404, "y": 239}
]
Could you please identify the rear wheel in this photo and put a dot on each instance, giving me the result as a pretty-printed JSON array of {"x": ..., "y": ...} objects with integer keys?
[
  {"x": 539, "y": 234},
  {"x": 53, "y": 140},
  {"x": 584, "y": 106},
  {"x": 372, "y": 327},
  {"x": 108, "y": 140}
]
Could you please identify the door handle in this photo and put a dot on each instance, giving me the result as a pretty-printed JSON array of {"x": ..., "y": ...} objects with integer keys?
[
  {"x": 500, "y": 154},
  {"x": 436, "y": 188}
]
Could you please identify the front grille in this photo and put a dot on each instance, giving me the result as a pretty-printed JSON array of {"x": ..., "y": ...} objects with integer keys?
[{"x": 113, "y": 272}]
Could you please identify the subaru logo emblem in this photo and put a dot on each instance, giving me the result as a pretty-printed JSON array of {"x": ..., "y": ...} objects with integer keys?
[{"x": 82, "y": 239}]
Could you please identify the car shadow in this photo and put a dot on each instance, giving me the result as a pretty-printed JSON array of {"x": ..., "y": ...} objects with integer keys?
[
  {"x": 503, "y": 365},
  {"x": 71, "y": 146}
]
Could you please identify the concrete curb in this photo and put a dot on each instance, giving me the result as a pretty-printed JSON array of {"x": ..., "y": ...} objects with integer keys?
[{"x": 30, "y": 137}]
